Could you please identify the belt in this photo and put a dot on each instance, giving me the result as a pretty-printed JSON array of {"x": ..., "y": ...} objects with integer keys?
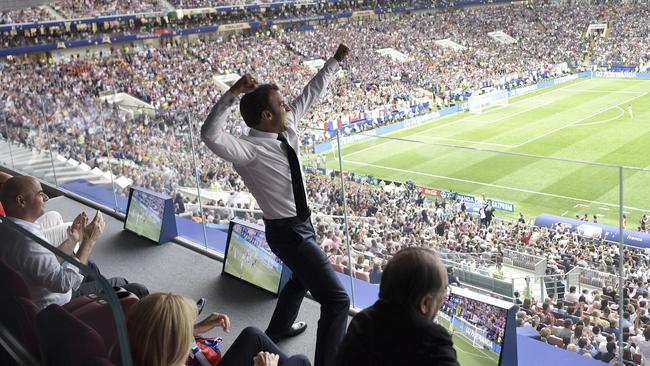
[{"x": 288, "y": 220}]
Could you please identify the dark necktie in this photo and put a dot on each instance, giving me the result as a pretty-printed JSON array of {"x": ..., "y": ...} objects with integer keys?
[{"x": 302, "y": 210}]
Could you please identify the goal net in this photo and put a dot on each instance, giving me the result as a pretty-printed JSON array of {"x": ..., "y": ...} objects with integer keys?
[
  {"x": 477, "y": 103},
  {"x": 476, "y": 335}
]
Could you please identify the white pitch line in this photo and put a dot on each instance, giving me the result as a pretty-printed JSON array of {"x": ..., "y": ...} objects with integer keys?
[
  {"x": 576, "y": 122},
  {"x": 565, "y": 212},
  {"x": 470, "y": 141},
  {"x": 603, "y": 208},
  {"x": 496, "y": 186},
  {"x": 579, "y": 204},
  {"x": 512, "y": 114},
  {"x": 461, "y": 120},
  {"x": 622, "y": 112},
  {"x": 605, "y": 91},
  {"x": 516, "y": 102}
]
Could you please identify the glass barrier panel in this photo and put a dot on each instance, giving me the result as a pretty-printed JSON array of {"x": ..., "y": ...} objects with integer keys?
[
  {"x": 33, "y": 152},
  {"x": 499, "y": 206},
  {"x": 330, "y": 197},
  {"x": 8, "y": 145},
  {"x": 198, "y": 206}
]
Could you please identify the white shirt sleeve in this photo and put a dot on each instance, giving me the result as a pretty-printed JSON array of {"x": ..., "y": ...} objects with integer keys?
[
  {"x": 231, "y": 148},
  {"x": 42, "y": 268},
  {"x": 312, "y": 91}
]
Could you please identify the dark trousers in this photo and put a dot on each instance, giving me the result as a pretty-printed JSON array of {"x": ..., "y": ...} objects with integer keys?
[
  {"x": 294, "y": 242},
  {"x": 92, "y": 287},
  {"x": 249, "y": 343}
]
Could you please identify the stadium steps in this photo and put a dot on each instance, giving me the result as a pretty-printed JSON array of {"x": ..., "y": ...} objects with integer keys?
[
  {"x": 40, "y": 165},
  {"x": 54, "y": 13}
]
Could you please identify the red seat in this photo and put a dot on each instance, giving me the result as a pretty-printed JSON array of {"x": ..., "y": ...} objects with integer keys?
[
  {"x": 97, "y": 314},
  {"x": 18, "y": 316},
  {"x": 337, "y": 267},
  {"x": 363, "y": 276},
  {"x": 12, "y": 283},
  {"x": 90, "y": 309},
  {"x": 636, "y": 357},
  {"x": 65, "y": 340}
]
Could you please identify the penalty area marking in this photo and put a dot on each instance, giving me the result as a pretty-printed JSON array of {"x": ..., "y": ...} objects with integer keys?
[{"x": 622, "y": 112}]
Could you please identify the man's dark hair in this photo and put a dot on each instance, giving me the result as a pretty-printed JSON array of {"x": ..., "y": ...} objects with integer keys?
[
  {"x": 254, "y": 103},
  {"x": 582, "y": 342},
  {"x": 409, "y": 276}
]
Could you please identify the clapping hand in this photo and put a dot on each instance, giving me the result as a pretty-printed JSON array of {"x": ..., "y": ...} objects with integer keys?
[
  {"x": 245, "y": 84},
  {"x": 93, "y": 230},
  {"x": 76, "y": 230}
]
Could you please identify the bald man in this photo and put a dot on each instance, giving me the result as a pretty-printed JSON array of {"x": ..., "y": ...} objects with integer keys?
[
  {"x": 399, "y": 329},
  {"x": 54, "y": 228},
  {"x": 50, "y": 280}
]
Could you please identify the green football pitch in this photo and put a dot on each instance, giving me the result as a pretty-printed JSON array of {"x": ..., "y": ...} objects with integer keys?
[
  {"x": 467, "y": 354},
  {"x": 585, "y": 120},
  {"x": 143, "y": 221},
  {"x": 261, "y": 274}
]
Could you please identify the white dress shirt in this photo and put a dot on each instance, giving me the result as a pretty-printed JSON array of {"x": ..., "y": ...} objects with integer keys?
[
  {"x": 49, "y": 281},
  {"x": 259, "y": 158}
]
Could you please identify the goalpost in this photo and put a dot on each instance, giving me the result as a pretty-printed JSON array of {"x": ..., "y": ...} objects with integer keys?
[
  {"x": 476, "y": 103},
  {"x": 472, "y": 333}
]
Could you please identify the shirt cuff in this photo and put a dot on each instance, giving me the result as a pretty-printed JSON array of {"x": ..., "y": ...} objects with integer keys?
[
  {"x": 73, "y": 268},
  {"x": 70, "y": 266}
]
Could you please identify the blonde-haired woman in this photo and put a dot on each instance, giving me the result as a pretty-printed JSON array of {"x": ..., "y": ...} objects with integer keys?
[{"x": 162, "y": 327}]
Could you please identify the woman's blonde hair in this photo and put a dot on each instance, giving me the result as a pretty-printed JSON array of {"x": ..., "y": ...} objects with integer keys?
[{"x": 161, "y": 328}]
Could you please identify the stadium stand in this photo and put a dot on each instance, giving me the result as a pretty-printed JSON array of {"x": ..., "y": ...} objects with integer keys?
[{"x": 60, "y": 104}]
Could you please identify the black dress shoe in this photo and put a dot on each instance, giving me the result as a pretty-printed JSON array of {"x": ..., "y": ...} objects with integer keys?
[
  {"x": 200, "y": 304},
  {"x": 296, "y": 329}
]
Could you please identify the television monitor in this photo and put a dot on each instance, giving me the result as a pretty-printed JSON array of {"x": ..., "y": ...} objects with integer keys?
[
  {"x": 150, "y": 214},
  {"x": 480, "y": 326},
  {"x": 249, "y": 258}
]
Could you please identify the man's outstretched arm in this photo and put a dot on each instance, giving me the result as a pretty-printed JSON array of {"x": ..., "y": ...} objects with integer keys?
[
  {"x": 318, "y": 84},
  {"x": 223, "y": 144}
]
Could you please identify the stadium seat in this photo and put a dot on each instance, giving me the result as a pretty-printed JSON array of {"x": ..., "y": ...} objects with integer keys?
[
  {"x": 66, "y": 340},
  {"x": 338, "y": 267},
  {"x": 97, "y": 314},
  {"x": 12, "y": 283},
  {"x": 18, "y": 316},
  {"x": 363, "y": 276}
]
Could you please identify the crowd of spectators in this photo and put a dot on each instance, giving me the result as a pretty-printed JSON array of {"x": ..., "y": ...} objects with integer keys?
[
  {"x": 625, "y": 42},
  {"x": 177, "y": 80},
  {"x": 588, "y": 324},
  {"x": 35, "y": 14},
  {"x": 153, "y": 148},
  {"x": 73, "y": 9}
]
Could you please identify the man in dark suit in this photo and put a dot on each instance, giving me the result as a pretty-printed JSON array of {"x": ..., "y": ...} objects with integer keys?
[{"x": 399, "y": 329}]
